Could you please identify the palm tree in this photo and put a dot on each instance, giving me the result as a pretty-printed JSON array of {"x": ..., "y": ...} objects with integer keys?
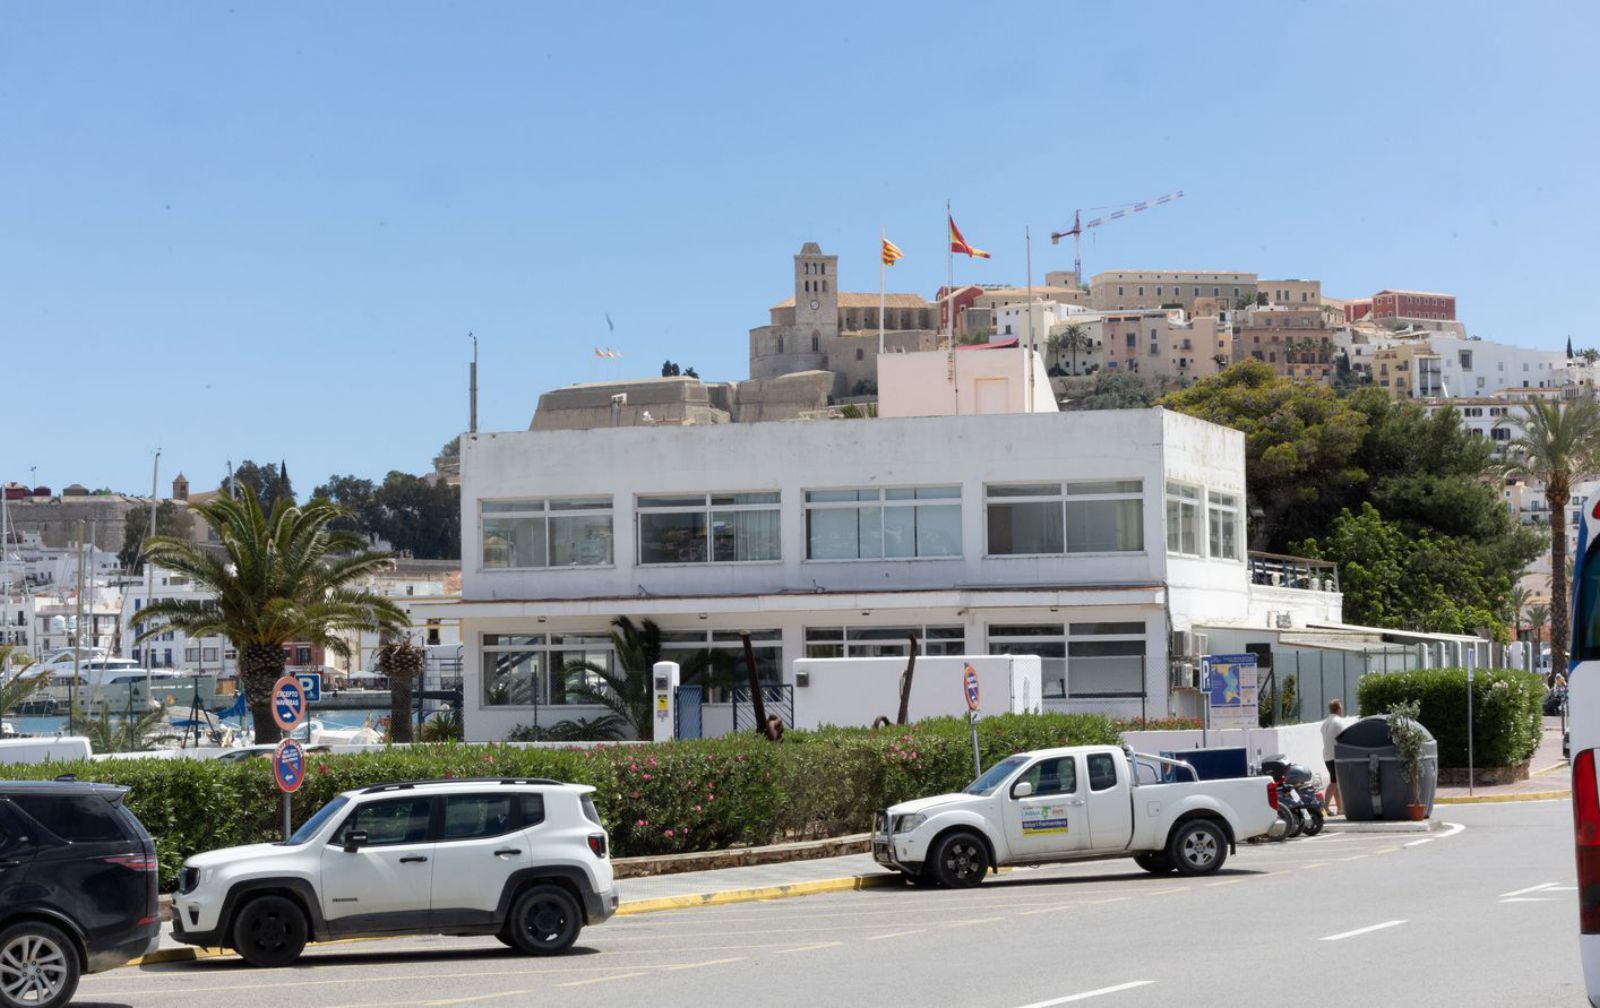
[
  {"x": 1519, "y": 602},
  {"x": 277, "y": 579},
  {"x": 1560, "y": 445},
  {"x": 402, "y": 663},
  {"x": 1073, "y": 339},
  {"x": 15, "y": 687},
  {"x": 1538, "y": 619},
  {"x": 126, "y": 734},
  {"x": 626, "y": 690}
]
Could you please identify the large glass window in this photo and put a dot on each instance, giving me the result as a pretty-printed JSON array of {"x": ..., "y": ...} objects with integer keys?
[
  {"x": 719, "y": 527},
  {"x": 1183, "y": 519},
  {"x": 883, "y": 522},
  {"x": 715, "y": 658},
  {"x": 1224, "y": 522},
  {"x": 1080, "y": 660},
  {"x": 1105, "y": 516},
  {"x": 548, "y": 532},
  {"x": 531, "y": 670},
  {"x": 883, "y": 642}
]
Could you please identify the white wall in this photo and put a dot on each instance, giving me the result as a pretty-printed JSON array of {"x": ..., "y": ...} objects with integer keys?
[
  {"x": 855, "y": 691},
  {"x": 920, "y": 385}
]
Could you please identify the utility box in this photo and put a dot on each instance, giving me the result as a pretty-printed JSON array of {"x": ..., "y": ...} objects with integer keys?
[{"x": 854, "y": 692}]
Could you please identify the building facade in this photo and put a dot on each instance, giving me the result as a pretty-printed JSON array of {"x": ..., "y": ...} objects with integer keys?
[
  {"x": 1120, "y": 290},
  {"x": 1295, "y": 341},
  {"x": 1401, "y": 304},
  {"x": 1082, "y": 537}
]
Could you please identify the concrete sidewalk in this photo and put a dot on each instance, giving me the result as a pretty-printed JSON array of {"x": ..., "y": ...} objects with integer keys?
[{"x": 1548, "y": 776}]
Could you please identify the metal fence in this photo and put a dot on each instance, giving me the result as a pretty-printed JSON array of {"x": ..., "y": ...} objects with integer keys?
[{"x": 778, "y": 700}]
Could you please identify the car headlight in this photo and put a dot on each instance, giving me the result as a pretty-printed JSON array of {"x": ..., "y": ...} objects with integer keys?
[{"x": 907, "y": 823}]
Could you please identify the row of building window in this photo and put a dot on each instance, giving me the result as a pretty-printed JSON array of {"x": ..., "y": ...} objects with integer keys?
[
  {"x": 877, "y": 523},
  {"x": 1085, "y": 660}
]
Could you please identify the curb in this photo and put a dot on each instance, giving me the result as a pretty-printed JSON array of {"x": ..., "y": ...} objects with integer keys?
[
  {"x": 1496, "y": 799},
  {"x": 758, "y": 893},
  {"x": 1379, "y": 826},
  {"x": 655, "y": 865}
]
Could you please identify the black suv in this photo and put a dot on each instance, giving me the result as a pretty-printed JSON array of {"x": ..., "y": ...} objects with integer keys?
[{"x": 77, "y": 888}]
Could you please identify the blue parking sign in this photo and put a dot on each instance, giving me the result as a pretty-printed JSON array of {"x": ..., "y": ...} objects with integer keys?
[{"x": 311, "y": 683}]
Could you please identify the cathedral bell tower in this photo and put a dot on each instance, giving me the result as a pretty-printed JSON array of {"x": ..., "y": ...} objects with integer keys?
[{"x": 816, "y": 294}]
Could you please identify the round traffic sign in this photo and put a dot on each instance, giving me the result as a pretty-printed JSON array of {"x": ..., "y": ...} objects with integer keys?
[
  {"x": 288, "y": 702},
  {"x": 970, "y": 685},
  {"x": 289, "y": 765}
]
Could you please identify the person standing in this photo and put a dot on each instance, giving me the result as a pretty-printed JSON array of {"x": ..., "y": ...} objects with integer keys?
[{"x": 1332, "y": 725}]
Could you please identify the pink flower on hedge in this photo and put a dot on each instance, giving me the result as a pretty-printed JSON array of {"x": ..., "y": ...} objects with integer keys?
[
  {"x": 448, "y": 775},
  {"x": 322, "y": 768},
  {"x": 669, "y": 834},
  {"x": 633, "y": 768},
  {"x": 652, "y": 761},
  {"x": 697, "y": 808},
  {"x": 646, "y": 776},
  {"x": 642, "y": 822}
]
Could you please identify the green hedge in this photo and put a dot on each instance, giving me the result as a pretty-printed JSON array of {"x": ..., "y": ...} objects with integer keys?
[
  {"x": 677, "y": 796},
  {"x": 1506, "y": 719}
]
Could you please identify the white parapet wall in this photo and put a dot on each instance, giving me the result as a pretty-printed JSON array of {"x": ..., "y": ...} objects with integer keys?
[{"x": 855, "y": 691}]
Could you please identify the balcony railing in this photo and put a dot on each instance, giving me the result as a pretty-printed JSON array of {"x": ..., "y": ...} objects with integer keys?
[{"x": 1299, "y": 573}]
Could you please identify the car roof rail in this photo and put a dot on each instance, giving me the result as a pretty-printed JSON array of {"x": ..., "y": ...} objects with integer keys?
[
  {"x": 66, "y": 777},
  {"x": 407, "y": 785}
]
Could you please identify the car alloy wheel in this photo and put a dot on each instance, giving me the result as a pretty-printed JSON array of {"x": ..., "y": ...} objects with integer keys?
[
  {"x": 545, "y": 920},
  {"x": 38, "y": 968}
]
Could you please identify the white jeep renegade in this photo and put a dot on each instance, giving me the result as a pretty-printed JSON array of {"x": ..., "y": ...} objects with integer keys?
[{"x": 522, "y": 859}]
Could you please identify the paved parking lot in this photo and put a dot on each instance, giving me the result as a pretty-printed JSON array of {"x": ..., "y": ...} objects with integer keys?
[{"x": 1483, "y": 914}]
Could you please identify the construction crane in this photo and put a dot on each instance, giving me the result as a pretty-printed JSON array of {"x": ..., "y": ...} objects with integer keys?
[{"x": 1079, "y": 226}]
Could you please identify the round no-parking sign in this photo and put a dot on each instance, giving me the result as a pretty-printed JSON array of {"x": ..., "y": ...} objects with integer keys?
[
  {"x": 288, "y": 702},
  {"x": 289, "y": 765},
  {"x": 969, "y": 684}
]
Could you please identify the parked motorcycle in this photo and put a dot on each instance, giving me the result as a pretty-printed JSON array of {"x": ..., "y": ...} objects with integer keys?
[{"x": 1300, "y": 804}]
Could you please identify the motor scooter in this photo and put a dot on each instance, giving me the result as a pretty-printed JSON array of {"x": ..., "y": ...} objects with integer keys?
[{"x": 1299, "y": 801}]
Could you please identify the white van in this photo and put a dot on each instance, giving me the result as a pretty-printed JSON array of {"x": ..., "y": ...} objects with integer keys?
[
  {"x": 1583, "y": 704},
  {"x": 56, "y": 748}
]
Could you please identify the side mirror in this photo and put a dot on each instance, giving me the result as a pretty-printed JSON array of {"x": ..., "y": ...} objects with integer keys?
[
  {"x": 1022, "y": 789},
  {"x": 354, "y": 841}
]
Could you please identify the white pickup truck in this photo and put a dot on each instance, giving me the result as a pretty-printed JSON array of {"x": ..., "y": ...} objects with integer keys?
[{"x": 1078, "y": 803}]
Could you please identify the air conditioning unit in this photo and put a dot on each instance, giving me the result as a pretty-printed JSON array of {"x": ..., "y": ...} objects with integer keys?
[
  {"x": 1182, "y": 644},
  {"x": 1202, "y": 645},
  {"x": 1285, "y": 620},
  {"x": 1185, "y": 675}
]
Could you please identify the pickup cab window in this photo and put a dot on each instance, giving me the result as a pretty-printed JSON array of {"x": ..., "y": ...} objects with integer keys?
[
  {"x": 993, "y": 777},
  {"x": 1102, "y": 772},
  {"x": 1056, "y": 775}
]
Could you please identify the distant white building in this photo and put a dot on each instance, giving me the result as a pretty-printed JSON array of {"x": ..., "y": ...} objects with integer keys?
[{"x": 1086, "y": 538}]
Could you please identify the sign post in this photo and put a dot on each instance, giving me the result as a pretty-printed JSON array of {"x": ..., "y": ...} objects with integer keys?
[
  {"x": 1471, "y": 663},
  {"x": 969, "y": 687},
  {"x": 289, "y": 761}
]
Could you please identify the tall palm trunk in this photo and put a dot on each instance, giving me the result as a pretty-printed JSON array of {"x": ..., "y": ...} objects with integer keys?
[
  {"x": 1557, "y": 494},
  {"x": 260, "y": 666},
  {"x": 402, "y": 662}
]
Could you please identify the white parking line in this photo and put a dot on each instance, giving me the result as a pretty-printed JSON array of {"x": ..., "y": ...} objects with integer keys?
[
  {"x": 1447, "y": 834},
  {"x": 1524, "y": 892},
  {"x": 1361, "y": 931},
  {"x": 1088, "y": 994}
]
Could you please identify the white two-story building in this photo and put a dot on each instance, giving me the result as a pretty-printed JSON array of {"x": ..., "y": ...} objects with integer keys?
[{"x": 1084, "y": 537}]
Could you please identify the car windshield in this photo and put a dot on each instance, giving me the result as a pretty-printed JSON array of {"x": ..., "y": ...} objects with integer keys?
[
  {"x": 995, "y": 774},
  {"x": 310, "y": 827}
]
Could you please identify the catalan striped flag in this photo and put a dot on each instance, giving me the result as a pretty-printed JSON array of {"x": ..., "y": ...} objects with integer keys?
[
  {"x": 891, "y": 253},
  {"x": 959, "y": 244}
]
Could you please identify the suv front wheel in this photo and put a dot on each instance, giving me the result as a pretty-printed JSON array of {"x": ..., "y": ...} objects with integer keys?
[
  {"x": 270, "y": 931},
  {"x": 545, "y": 920},
  {"x": 38, "y": 966}
]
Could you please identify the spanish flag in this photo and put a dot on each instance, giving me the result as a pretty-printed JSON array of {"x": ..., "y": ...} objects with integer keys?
[
  {"x": 959, "y": 244},
  {"x": 891, "y": 253}
]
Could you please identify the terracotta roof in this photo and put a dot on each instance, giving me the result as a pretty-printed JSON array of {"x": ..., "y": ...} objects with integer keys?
[{"x": 854, "y": 300}]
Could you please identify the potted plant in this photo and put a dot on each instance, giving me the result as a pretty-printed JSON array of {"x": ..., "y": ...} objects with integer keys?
[{"x": 1409, "y": 738}]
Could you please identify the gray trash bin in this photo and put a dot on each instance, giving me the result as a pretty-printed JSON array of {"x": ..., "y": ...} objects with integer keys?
[{"x": 1370, "y": 785}]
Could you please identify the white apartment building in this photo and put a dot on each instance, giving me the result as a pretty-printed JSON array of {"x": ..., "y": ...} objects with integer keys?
[
  {"x": 1442, "y": 366},
  {"x": 173, "y": 648},
  {"x": 1084, "y": 537}
]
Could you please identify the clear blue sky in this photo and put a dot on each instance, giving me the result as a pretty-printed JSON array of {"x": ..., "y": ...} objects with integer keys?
[{"x": 263, "y": 230}]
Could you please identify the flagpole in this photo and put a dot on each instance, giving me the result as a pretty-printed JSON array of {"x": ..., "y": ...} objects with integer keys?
[
  {"x": 882, "y": 237},
  {"x": 1027, "y": 358},
  {"x": 950, "y": 308}
]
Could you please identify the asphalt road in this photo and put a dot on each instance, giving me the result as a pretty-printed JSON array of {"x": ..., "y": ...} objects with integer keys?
[{"x": 1484, "y": 915}]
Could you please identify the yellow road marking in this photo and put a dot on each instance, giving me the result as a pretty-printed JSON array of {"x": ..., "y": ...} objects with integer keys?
[
  {"x": 1226, "y": 881},
  {"x": 602, "y": 979},
  {"x": 896, "y": 934},
  {"x": 708, "y": 962},
  {"x": 809, "y": 948}
]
